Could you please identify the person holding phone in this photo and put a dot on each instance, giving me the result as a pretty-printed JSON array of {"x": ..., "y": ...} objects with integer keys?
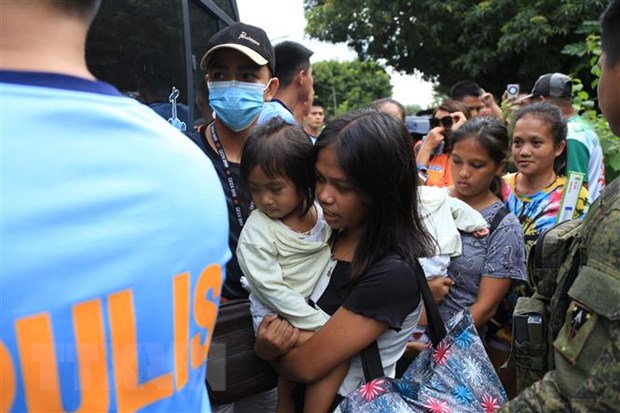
[
  {"x": 433, "y": 152},
  {"x": 490, "y": 106}
]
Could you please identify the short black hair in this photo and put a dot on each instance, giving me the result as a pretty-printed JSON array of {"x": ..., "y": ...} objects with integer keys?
[
  {"x": 86, "y": 9},
  {"x": 291, "y": 57},
  {"x": 465, "y": 88},
  {"x": 318, "y": 102},
  {"x": 610, "y": 22},
  {"x": 281, "y": 149}
]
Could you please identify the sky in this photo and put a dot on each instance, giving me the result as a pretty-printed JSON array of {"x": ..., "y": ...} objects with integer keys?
[{"x": 284, "y": 20}]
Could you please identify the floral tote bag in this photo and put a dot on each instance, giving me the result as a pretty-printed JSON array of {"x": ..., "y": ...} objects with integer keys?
[{"x": 455, "y": 375}]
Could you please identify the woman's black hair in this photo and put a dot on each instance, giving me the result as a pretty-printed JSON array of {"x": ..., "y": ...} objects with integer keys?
[
  {"x": 490, "y": 134},
  {"x": 551, "y": 116},
  {"x": 373, "y": 150},
  {"x": 281, "y": 149}
]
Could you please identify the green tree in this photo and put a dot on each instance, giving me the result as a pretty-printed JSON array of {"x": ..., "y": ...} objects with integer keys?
[
  {"x": 584, "y": 103},
  {"x": 343, "y": 86},
  {"x": 494, "y": 42},
  {"x": 412, "y": 109}
]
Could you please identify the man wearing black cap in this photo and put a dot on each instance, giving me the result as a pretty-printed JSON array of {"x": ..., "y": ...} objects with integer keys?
[
  {"x": 584, "y": 151},
  {"x": 240, "y": 65}
]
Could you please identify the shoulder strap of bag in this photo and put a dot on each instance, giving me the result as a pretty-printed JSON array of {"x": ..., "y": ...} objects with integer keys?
[
  {"x": 371, "y": 359},
  {"x": 498, "y": 218},
  {"x": 371, "y": 362},
  {"x": 436, "y": 328}
]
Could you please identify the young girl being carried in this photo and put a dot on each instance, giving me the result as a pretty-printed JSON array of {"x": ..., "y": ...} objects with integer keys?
[{"x": 283, "y": 246}]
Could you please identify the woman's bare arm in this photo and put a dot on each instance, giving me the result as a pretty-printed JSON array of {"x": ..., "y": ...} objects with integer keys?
[
  {"x": 343, "y": 336},
  {"x": 490, "y": 295}
]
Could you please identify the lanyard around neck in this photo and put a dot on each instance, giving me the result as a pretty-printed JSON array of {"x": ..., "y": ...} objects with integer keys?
[{"x": 234, "y": 192}]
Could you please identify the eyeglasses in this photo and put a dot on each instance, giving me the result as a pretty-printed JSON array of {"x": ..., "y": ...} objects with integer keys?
[{"x": 446, "y": 122}]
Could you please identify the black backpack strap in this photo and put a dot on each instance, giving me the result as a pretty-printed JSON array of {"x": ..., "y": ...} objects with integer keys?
[
  {"x": 504, "y": 311},
  {"x": 498, "y": 218}
]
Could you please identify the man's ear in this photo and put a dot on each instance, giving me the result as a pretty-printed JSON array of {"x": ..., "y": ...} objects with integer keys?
[
  {"x": 206, "y": 77},
  {"x": 272, "y": 88},
  {"x": 300, "y": 77}
]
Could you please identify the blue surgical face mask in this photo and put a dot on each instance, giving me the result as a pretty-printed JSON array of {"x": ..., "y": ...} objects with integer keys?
[{"x": 236, "y": 104}]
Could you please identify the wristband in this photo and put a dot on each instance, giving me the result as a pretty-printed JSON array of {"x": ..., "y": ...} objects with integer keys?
[{"x": 423, "y": 176}]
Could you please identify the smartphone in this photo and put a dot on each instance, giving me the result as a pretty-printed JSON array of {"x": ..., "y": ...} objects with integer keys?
[{"x": 512, "y": 90}]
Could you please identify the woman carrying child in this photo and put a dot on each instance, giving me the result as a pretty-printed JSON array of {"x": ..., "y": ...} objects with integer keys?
[
  {"x": 366, "y": 185},
  {"x": 485, "y": 270},
  {"x": 283, "y": 248}
]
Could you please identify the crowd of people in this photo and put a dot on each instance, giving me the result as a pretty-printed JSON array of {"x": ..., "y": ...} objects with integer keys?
[{"x": 120, "y": 244}]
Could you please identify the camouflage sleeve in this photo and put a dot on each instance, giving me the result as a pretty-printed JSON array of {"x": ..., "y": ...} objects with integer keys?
[{"x": 542, "y": 396}]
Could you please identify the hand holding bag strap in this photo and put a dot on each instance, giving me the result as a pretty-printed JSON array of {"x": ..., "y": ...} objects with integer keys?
[{"x": 436, "y": 327}]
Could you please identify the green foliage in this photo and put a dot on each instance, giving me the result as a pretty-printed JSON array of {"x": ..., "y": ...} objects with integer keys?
[
  {"x": 412, "y": 109},
  {"x": 586, "y": 106},
  {"x": 344, "y": 86},
  {"x": 494, "y": 42}
]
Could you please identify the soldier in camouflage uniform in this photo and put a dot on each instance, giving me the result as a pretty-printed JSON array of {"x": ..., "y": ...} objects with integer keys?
[{"x": 586, "y": 377}]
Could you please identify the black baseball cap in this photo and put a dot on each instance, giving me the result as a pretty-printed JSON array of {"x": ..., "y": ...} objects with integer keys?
[
  {"x": 556, "y": 85},
  {"x": 250, "y": 40}
]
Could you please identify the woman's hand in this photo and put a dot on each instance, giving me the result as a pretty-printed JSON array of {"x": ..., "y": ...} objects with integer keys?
[
  {"x": 342, "y": 337},
  {"x": 458, "y": 120},
  {"x": 434, "y": 137},
  {"x": 274, "y": 338},
  {"x": 440, "y": 287},
  {"x": 432, "y": 140}
]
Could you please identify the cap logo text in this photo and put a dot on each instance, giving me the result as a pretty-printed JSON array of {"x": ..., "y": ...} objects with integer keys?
[{"x": 245, "y": 36}]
